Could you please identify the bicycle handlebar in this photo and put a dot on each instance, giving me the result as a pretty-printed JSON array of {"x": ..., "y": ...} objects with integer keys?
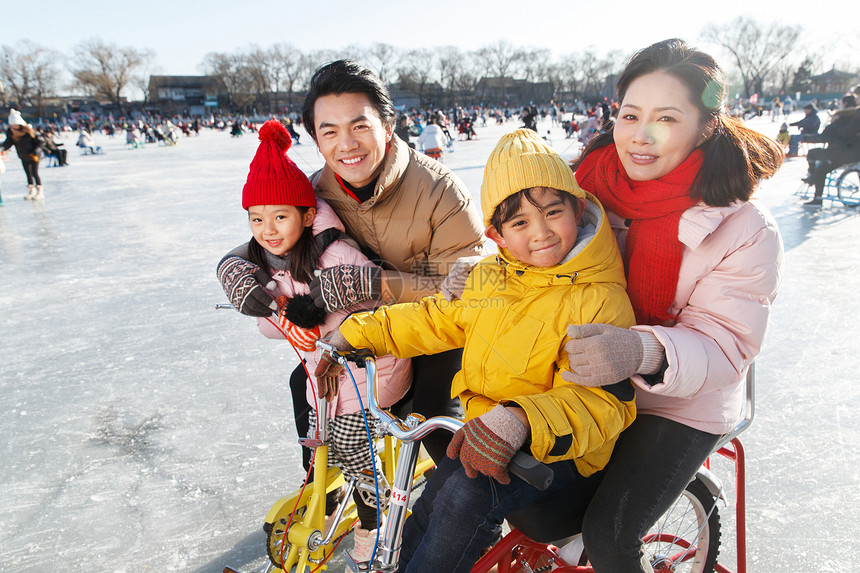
[{"x": 523, "y": 465}]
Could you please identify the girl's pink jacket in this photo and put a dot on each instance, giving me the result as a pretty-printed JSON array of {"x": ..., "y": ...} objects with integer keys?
[
  {"x": 730, "y": 273},
  {"x": 395, "y": 375}
]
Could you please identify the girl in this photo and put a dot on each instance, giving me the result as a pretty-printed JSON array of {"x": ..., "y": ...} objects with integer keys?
[
  {"x": 703, "y": 262},
  {"x": 27, "y": 144},
  {"x": 295, "y": 234}
]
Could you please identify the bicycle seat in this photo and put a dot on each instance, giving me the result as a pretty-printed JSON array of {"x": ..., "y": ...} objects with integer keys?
[{"x": 556, "y": 516}]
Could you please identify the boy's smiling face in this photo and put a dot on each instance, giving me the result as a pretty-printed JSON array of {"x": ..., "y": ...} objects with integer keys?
[{"x": 542, "y": 233}]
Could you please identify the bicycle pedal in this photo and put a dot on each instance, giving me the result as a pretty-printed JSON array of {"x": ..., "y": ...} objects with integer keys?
[{"x": 355, "y": 566}]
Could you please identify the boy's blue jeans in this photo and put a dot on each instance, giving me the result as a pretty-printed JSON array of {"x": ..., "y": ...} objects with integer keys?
[{"x": 457, "y": 517}]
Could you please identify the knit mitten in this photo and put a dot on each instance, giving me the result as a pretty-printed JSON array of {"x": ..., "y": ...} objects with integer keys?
[
  {"x": 345, "y": 286},
  {"x": 487, "y": 444},
  {"x": 243, "y": 282}
]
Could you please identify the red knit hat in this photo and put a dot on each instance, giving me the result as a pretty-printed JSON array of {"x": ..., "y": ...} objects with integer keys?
[{"x": 274, "y": 179}]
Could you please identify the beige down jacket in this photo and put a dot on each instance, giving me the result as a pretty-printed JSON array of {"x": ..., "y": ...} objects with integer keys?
[{"x": 419, "y": 221}]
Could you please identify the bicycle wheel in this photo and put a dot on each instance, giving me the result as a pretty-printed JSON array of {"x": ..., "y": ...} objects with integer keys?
[
  {"x": 848, "y": 187},
  {"x": 687, "y": 537},
  {"x": 283, "y": 554}
]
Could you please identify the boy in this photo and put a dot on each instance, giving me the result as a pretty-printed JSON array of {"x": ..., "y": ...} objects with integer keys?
[{"x": 558, "y": 264}]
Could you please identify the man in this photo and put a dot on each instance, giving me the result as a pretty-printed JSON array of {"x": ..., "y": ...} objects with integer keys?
[
  {"x": 842, "y": 137},
  {"x": 808, "y": 126},
  {"x": 409, "y": 213}
]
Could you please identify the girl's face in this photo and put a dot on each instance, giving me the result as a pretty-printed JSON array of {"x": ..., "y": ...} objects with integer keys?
[
  {"x": 658, "y": 126},
  {"x": 278, "y": 227}
]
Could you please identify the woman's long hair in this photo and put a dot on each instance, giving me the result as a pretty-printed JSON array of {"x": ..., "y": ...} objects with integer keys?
[
  {"x": 304, "y": 256},
  {"x": 736, "y": 157}
]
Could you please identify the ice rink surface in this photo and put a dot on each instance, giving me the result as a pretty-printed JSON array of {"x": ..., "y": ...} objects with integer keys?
[{"x": 145, "y": 431}]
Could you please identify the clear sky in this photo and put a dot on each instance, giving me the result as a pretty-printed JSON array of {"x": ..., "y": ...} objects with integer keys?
[{"x": 182, "y": 32}]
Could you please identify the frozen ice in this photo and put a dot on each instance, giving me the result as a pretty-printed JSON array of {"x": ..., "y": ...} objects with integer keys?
[{"x": 146, "y": 431}]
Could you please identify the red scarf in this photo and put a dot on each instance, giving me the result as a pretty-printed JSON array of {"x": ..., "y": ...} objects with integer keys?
[{"x": 652, "y": 253}]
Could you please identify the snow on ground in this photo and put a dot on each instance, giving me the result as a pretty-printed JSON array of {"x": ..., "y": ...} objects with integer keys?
[{"x": 143, "y": 430}]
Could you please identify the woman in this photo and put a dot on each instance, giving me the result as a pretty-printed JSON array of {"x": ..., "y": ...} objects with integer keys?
[
  {"x": 703, "y": 261},
  {"x": 27, "y": 144}
]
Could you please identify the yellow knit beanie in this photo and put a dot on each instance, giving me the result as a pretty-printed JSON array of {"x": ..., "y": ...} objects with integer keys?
[{"x": 521, "y": 160}]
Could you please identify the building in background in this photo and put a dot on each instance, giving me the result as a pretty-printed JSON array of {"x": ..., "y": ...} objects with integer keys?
[{"x": 184, "y": 95}]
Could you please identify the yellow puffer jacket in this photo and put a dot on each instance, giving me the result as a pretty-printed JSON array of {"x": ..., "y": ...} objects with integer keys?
[{"x": 512, "y": 321}]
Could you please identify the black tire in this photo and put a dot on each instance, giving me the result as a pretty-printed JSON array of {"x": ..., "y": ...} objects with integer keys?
[
  {"x": 848, "y": 187},
  {"x": 692, "y": 522}
]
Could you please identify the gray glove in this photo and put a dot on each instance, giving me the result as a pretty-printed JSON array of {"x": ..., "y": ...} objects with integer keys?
[
  {"x": 455, "y": 283},
  {"x": 601, "y": 354},
  {"x": 243, "y": 283}
]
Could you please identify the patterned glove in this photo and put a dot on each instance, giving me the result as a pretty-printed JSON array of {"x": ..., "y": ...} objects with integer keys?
[
  {"x": 487, "y": 444},
  {"x": 601, "y": 354},
  {"x": 243, "y": 283},
  {"x": 344, "y": 286},
  {"x": 455, "y": 283}
]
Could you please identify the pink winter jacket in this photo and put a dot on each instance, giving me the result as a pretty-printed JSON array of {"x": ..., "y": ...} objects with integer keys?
[
  {"x": 395, "y": 374},
  {"x": 730, "y": 272}
]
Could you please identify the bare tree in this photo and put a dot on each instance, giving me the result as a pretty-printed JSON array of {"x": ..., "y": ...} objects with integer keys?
[
  {"x": 383, "y": 57},
  {"x": 536, "y": 64},
  {"x": 597, "y": 73},
  {"x": 414, "y": 71},
  {"x": 28, "y": 74},
  {"x": 450, "y": 62},
  {"x": 756, "y": 48},
  {"x": 290, "y": 68},
  {"x": 106, "y": 70},
  {"x": 141, "y": 80},
  {"x": 467, "y": 79},
  {"x": 258, "y": 68},
  {"x": 230, "y": 70},
  {"x": 781, "y": 77},
  {"x": 499, "y": 59},
  {"x": 572, "y": 75}
]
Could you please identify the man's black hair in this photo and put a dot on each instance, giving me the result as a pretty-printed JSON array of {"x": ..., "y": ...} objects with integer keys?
[{"x": 347, "y": 76}]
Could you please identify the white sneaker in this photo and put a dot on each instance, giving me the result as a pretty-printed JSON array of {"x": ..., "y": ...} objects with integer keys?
[{"x": 364, "y": 542}]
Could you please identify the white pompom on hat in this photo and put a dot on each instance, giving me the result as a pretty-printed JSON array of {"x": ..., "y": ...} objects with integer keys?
[{"x": 15, "y": 117}]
